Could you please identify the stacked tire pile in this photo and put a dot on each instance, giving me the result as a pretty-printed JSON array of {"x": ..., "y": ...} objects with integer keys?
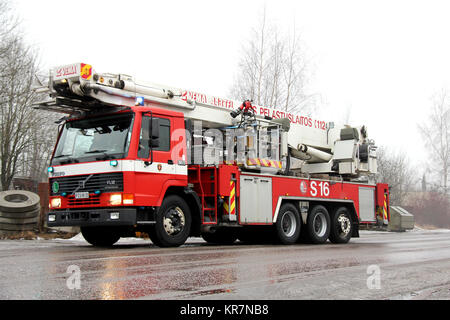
[{"x": 19, "y": 211}]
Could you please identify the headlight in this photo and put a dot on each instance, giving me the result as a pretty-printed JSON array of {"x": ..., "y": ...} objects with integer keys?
[
  {"x": 55, "y": 203},
  {"x": 115, "y": 199}
]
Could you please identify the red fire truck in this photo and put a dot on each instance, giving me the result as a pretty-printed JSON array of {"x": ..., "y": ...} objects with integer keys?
[{"x": 133, "y": 156}]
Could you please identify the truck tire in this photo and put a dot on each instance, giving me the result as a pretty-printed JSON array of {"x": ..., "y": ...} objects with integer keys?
[
  {"x": 317, "y": 228},
  {"x": 20, "y": 215},
  {"x": 341, "y": 226},
  {"x": 17, "y": 227},
  {"x": 100, "y": 236},
  {"x": 18, "y": 201},
  {"x": 220, "y": 236},
  {"x": 288, "y": 225},
  {"x": 32, "y": 220},
  {"x": 173, "y": 223},
  {"x": 152, "y": 235}
]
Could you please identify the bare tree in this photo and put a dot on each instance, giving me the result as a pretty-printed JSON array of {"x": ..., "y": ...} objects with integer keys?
[
  {"x": 394, "y": 169},
  {"x": 436, "y": 135},
  {"x": 272, "y": 70},
  {"x": 20, "y": 125},
  {"x": 35, "y": 159},
  {"x": 430, "y": 208},
  {"x": 8, "y": 27}
]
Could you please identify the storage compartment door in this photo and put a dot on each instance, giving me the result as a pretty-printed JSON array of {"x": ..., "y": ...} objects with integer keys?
[
  {"x": 265, "y": 200},
  {"x": 255, "y": 200},
  {"x": 367, "y": 204}
]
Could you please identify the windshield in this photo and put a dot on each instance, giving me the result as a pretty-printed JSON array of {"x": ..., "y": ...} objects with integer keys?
[{"x": 91, "y": 139}]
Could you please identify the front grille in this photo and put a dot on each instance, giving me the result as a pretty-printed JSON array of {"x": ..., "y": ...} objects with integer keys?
[
  {"x": 93, "y": 199},
  {"x": 103, "y": 182}
]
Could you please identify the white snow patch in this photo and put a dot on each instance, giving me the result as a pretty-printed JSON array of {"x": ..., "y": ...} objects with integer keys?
[
  {"x": 130, "y": 240},
  {"x": 79, "y": 238}
]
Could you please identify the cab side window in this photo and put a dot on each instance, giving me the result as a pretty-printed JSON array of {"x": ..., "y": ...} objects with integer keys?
[{"x": 164, "y": 137}]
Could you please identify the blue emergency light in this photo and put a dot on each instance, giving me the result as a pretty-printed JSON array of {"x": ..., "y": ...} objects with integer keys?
[{"x": 139, "y": 101}]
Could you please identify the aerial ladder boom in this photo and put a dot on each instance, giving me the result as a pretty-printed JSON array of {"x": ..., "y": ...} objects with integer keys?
[
  {"x": 318, "y": 146},
  {"x": 84, "y": 91},
  {"x": 78, "y": 87}
]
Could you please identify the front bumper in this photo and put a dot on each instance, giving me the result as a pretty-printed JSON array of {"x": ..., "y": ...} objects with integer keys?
[{"x": 92, "y": 217}]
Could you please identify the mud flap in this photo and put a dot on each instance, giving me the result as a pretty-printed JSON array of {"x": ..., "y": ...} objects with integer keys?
[{"x": 355, "y": 232}]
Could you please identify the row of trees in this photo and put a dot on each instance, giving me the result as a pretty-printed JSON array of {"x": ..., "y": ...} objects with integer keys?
[
  {"x": 25, "y": 134},
  {"x": 422, "y": 190},
  {"x": 395, "y": 167}
]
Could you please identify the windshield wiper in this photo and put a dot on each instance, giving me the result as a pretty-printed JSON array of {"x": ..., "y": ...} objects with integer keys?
[
  {"x": 63, "y": 161},
  {"x": 62, "y": 155},
  {"x": 106, "y": 156},
  {"x": 97, "y": 151}
]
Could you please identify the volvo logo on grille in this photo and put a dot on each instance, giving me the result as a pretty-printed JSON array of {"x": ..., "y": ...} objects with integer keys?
[{"x": 82, "y": 184}]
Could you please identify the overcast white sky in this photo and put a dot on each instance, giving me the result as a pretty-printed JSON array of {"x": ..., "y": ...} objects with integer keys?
[{"x": 382, "y": 59}]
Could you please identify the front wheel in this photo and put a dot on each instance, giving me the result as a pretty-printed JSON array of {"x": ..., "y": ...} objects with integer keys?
[
  {"x": 173, "y": 223},
  {"x": 100, "y": 236}
]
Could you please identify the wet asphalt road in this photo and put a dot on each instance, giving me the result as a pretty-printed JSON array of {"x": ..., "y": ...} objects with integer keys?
[{"x": 411, "y": 265}]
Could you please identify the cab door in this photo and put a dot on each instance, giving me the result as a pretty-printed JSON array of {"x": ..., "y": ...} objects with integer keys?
[
  {"x": 156, "y": 169},
  {"x": 161, "y": 152}
]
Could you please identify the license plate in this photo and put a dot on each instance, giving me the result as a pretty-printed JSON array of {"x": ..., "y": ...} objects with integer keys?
[{"x": 81, "y": 195}]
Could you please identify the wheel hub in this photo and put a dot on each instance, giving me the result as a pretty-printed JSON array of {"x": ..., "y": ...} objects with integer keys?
[
  {"x": 174, "y": 221},
  {"x": 288, "y": 223},
  {"x": 344, "y": 223},
  {"x": 320, "y": 224}
]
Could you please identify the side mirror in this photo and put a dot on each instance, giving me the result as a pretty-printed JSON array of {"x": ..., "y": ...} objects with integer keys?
[
  {"x": 154, "y": 126},
  {"x": 153, "y": 140}
]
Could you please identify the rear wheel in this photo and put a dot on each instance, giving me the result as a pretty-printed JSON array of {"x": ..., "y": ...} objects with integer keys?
[
  {"x": 287, "y": 227},
  {"x": 317, "y": 225},
  {"x": 100, "y": 236},
  {"x": 173, "y": 223},
  {"x": 341, "y": 226}
]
